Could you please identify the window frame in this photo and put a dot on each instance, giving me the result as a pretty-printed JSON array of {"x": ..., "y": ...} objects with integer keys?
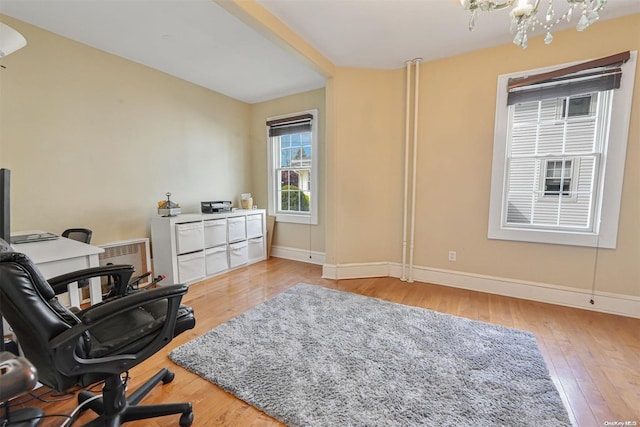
[
  {"x": 272, "y": 157},
  {"x": 609, "y": 187}
]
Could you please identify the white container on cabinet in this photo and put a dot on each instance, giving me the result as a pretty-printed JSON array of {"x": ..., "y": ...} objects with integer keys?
[
  {"x": 254, "y": 226},
  {"x": 237, "y": 230},
  {"x": 215, "y": 232},
  {"x": 191, "y": 267},
  {"x": 216, "y": 260},
  {"x": 238, "y": 254},
  {"x": 255, "y": 248},
  {"x": 189, "y": 237}
]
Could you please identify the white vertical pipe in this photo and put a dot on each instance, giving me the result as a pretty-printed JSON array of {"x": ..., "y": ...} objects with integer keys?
[
  {"x": 416, "y": 89},
  {"x": 407, "y": 124}
]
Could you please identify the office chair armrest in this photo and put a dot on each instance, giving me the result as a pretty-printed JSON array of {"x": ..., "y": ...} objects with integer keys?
[
  {"x": 121, "y": 274},
  {"x": 65, "y": 344}
]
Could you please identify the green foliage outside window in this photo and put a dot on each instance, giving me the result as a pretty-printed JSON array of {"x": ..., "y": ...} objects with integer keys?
[{"x": 294, "y": 199}]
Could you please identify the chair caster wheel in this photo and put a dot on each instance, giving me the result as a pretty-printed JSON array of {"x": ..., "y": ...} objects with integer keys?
[
  {"x": 186, "y": 419},
  {"x": 168, "y": 377}
]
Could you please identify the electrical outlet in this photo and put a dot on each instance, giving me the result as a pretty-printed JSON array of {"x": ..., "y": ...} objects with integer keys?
[{"x": 452, "y": 255}]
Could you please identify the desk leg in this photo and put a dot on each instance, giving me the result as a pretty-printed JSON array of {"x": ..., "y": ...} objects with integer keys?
[
  {"x": 95, "y": 291},
  {"x": 74, "y": 294},
  {"x": 95, "y": 287}
]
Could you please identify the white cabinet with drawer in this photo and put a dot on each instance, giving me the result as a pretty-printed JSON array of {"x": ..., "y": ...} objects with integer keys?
[
  {"x": 216, "y": 259},
  {"x": 190, "y": 247},
  {"x": 215, "y": 232},
  {"x": 237, "y": 230},
  {"x": 191, "y": 267},
  {"x": 255, "y": 248},
  {"x": 238, "y": 254},
  {"x": 254, "y": 226},
  {"x": 189, "y": 237}
]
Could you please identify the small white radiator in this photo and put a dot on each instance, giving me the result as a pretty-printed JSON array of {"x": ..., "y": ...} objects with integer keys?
[{"x": 134, "y": 252}]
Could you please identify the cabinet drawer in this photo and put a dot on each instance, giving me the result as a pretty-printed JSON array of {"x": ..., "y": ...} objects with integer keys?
[
  {"x": 238, "y": 254},
  {"x": 189, "y": 237},
  {"x": 254, "y": 225},
  {"x": 216, "y": 260},
  {"x": 191, "y": 267},
  {"x": 215, "y": 232},
  {"x": 255, "y": 248},
  {"x": 236, "y": 227}
]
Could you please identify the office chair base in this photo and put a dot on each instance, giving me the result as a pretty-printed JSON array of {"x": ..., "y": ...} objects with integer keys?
[{"x": 115, "y": 408}]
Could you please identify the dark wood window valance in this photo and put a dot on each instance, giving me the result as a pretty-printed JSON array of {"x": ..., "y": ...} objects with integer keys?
[{"x": 290, "y": 125}]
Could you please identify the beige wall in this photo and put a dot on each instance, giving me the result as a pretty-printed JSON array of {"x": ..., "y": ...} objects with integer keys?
[
  {"x": 367, "y": 153},
  {"x": 296, "y": 236},
  {"x": 94, "y": 140},
  {"x": 457, "y": 107}
]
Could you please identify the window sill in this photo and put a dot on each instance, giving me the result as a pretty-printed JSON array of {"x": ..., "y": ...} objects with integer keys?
[
  {"x": 587, "y": 239},
  {"x": 296, "y": 219}
]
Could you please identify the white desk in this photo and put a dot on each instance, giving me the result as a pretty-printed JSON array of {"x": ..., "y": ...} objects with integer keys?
[{"x": 62, "y": 255}]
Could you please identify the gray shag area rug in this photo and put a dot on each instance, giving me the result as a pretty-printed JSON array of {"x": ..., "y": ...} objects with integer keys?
[{"x": 313, "y": 356}]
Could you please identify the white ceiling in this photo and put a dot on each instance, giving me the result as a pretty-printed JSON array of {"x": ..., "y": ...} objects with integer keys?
[
  {"x": 199, "y": 41},
  {"x": 387, "y": 33}
]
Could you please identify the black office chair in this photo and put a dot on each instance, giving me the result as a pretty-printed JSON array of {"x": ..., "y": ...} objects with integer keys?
[
  {"x": 98, "y": 343},
  {"x": 80, "y": 234}
]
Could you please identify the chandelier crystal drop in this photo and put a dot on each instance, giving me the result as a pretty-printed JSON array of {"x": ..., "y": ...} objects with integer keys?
[{"x": 524, "y": 15}]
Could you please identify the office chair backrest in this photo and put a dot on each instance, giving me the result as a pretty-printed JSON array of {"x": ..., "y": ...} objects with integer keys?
[
  {"x": 30, "y": 306},
  {"x": 80, "y": 234}
]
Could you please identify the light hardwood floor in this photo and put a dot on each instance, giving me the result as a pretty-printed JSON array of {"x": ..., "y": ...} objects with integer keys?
[{"x": 593, "y": 358}]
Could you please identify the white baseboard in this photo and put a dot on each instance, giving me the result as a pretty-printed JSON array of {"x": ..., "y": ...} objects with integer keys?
[
  {"x": 353, "y": 271},
  {"x": 298, "y": 255},
  {"x": 623, "y": 305}
]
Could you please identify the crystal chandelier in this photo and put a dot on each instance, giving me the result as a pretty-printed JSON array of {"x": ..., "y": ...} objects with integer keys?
[{"x": 524, "y": 15}]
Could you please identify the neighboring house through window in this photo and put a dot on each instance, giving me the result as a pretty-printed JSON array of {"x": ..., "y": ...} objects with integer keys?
[
  {"x": 559, "y": 152},
  {"x": 293, "y": 183},
  {"x": 558, "y": 176}
]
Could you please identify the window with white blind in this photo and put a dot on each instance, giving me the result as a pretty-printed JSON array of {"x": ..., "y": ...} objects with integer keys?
[
  {"x": 293, "y": 167},
  {"x": 559, "y": 152}
]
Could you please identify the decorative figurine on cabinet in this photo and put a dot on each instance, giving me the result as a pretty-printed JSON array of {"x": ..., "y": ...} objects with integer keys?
[{"x": 168, "y": 208}]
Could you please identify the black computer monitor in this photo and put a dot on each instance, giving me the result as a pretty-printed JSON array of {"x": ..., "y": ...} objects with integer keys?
[{"x": 5, "y": 204}]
